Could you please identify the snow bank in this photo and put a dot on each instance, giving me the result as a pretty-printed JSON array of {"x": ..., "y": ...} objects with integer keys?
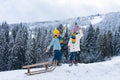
[{"x": 108, "y": 70}]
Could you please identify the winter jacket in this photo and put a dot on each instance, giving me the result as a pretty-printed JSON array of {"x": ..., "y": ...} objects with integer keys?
[
  {"x": 75, "y": 47},
  {"x": 56, "y": 42}
]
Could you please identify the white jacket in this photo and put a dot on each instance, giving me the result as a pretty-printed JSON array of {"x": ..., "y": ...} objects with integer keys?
[{"x": 75, "y": 47}]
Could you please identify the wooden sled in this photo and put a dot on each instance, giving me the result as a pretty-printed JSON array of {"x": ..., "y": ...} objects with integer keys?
[{"x": 45, "y": 64}]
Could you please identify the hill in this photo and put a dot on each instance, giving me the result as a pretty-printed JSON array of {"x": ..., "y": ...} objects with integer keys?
[{"x": 108, "y": 70}]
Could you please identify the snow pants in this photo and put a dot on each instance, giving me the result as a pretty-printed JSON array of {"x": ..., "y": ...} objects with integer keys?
[
  {"x": 57, "y": 56},
  {"x": 73, "y": 57}
]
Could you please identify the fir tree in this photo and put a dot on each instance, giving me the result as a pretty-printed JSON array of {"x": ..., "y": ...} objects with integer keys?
[
  {"x": 117, "y": 43},
  {"x": 90, "y": 45},
  {"x": 17, "y": 53},
  {"x": 109, "y": 44},
  {"x": 30, "y": 57},
  {"x": 38, "y": 47},
  {"x": 4, "y": 45}
]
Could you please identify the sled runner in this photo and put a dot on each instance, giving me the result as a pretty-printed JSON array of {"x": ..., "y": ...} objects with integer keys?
[{"x": 45, "y": 64}]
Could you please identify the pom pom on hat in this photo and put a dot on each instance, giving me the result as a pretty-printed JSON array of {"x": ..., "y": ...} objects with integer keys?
[{"x": 56, "y": 31}]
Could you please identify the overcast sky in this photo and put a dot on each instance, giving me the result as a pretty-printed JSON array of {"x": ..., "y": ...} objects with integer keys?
[{"x": 15, "y": 11}]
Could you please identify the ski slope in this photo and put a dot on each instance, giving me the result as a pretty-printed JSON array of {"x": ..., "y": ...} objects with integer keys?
[
  {"x": 96, "y": 20},
  {"x": 108, "y": 70}
]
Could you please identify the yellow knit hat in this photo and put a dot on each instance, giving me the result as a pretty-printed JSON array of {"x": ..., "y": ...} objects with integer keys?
[{"x": 56, "y": 31}]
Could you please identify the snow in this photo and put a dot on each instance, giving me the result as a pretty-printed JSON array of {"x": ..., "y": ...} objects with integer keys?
[
  {"x": 96, "y": 20},
  {"x": 108, "y": 70},
  {"x": 85, "y": 26}
]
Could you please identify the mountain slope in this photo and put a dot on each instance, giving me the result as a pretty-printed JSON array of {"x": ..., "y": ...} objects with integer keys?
[
  {"x": 109, "y": 21},
  {"x": 108, "y": 70}
]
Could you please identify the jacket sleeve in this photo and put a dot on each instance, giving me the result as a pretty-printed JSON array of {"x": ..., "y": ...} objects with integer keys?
[
  {"x": 69, "y": 43},
  {"x": 51, "y": 43},
  {"x": 80, "y": 34}
]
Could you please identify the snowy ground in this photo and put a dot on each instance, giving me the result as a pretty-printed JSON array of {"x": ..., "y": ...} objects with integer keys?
[{"x": 109, "y": 70}]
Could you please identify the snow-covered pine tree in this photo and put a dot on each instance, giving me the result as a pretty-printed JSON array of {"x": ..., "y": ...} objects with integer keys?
[
  {"x": 102, "y": 45},
  {"x": 30, "y": 57},
  {"x": 48, "y": 38},
  {"x": 109, "y": 44},
  {"x": 106, "y": 45},
  {"x": 4, "y": 45},
  {"x": 11, "y": 56},
  {"x": 117, "y": 43},
  {"x": 119, "y": 29},
  {"x": 82, "y": 47},
  {"x": 17, "y": 52},
  {"x": 43, "y": 42},
  {"x": 97, "y": 52},
  {"x": 38, "y": 48},
  {"x": 14, "y": 31},
  {"x": 89, "y": 55}
]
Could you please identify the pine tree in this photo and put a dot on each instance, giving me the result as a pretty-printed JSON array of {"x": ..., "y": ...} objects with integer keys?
[
  {"x": 4, "y": 45},
  {"x": 12, "y": 59},
  {"x": 48, "y": 39},
  {"x": 103, "y": 45},
  {"x": 117, "y": 43},
  {"x": 2, "y": 50},
  {"x": 30, "y": 57},
  {"x": 17, "y": 52},
  {"x": 89, "y": 55},
  {"x": 97, "y": 52},
  {"x": 38, "y": 48},
  {"x": 106, "y": 45},
  {"x": 109, "y": 49},
  {"x": 14, "y": 31},
  {"x": 119, "y": 29}
]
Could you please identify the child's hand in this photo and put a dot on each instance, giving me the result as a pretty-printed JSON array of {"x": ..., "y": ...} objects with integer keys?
[
  {"x": 68, "y": 46},
  {"x": 47, "y": 49}
]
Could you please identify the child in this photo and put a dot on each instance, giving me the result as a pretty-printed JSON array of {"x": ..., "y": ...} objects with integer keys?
[
  {"x": 56, "y": 43},
  {"x": 74, "y": 44}
]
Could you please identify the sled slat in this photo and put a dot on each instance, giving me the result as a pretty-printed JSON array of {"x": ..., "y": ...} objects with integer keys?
[
  {"x": 35, "y": 65},
  {"x": 45, "y": 64}
]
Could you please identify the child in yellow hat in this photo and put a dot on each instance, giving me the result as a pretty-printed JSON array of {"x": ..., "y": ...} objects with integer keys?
[{"x": 57, "y": 43}]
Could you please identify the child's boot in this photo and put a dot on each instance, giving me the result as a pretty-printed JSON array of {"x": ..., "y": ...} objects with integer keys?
[
  {"x": 71, "y": 63},
  {"x": 76, "y": 63}
]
